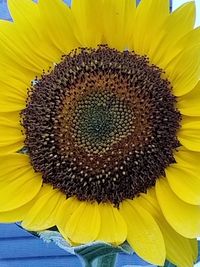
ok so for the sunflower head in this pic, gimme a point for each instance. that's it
(98, 116)
(102, 99)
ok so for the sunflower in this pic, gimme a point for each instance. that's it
(99, 123)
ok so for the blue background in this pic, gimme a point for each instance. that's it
(19, 248)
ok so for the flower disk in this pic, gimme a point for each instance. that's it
(101, 125)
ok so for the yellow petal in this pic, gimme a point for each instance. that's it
(13, 85)
(65, 211)
(10, 149)
(24, 11)
(118, 17)
(11, 102)
(18, 182)
(191, 39)
(16, 215)
(189, 134)
(185, 184)
(183, 217)
(150, 16)
(183, 71)
(14, 77)
(189, 104)
(179, 250)
(88, 21)
(176, 25)
(29, 31)
(144, 235)
(84, 224)
(10, 131)
(13, 89)
(184, 176)
(42, 214)
(194, 246)
(14, 82)
(183, 253)
(58, 24)
(113, 228)
(11, 51)
(11, 166)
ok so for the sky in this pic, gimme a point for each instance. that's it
(177, 3)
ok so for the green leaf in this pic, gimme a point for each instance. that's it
(103, 253)
(106, 261)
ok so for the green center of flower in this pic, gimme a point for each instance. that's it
(102, 125)
(99, 120)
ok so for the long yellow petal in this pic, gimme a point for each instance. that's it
(179, 250)
(18, 182)
(189, 134)
(113, 228)
(176, 25)
(16, 215)
(10, 102)
(11, 50)
(183, 217)
(183, 71)
(13, 88)
(10, 149)
(30, 32)
(194, 246)
(88, 21)
(144, 235)
(118, 17)
(12, 165)
(191, 39)
(14, 80)
(184, 176)
(185, 184)
(65, 211)
(58, 24)
(42, 214)
(10, 131)
(149, 18)
(84, 224)
(189, 104)
(12, 77)
(14, 85)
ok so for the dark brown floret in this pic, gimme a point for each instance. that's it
(101, 125)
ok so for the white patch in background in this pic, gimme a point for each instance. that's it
(177, 3)
(198, 12)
